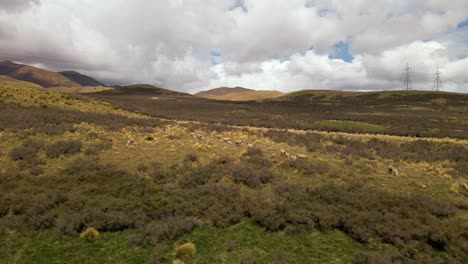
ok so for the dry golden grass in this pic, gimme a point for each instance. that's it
(78, 90)
(29, 94)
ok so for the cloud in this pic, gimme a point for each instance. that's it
(268, 44)
(365, 72)
(15, 5)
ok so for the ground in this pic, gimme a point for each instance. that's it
(148, 185)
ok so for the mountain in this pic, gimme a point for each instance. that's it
(35, 75)
(81, 78)
(238, 94)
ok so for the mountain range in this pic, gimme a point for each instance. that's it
(46, 78)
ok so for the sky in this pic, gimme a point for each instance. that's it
(286, 45)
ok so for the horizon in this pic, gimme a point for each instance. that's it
(352, 46)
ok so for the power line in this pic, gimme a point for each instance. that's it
(437, 80)
(407, 80)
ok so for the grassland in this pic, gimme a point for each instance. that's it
(148, 185)
(394, 113)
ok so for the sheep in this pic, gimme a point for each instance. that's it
(238, 142)
(392, 170)
(250, 145)
(226, 139)
(301, 156)
(283, 152)
(294, 157)
(130, 142)
(464, 186)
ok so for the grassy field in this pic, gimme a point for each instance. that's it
(148, 186)
(236, 244)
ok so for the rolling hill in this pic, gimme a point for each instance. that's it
(143, 90)
(81, 78)
(35, 75)
(238, 94)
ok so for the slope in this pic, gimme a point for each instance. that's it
(81, 78)
(35, 75)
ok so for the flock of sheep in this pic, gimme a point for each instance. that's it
(391, 168)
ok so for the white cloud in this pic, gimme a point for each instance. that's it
(366, 72)
(267, 44)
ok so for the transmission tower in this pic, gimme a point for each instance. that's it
(407, 80)
(437, 80)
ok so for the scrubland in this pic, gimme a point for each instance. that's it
(172, 191)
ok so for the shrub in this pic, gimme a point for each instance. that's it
(254, 151)
(191, 157)
(90, 234)
(63, 147)
(96, 148)
(202, 174)
(186, 252)
(149, 138)
(160, 174)
(27, 151)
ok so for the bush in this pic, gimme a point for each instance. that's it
(250, 175)
(191, 157)
(186, 252)
(63, 147)
(253, 151)
(90, 234)
(160, 174)
(27, 151)
(96, 148)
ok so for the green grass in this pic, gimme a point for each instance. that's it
(236, 243)
(230, 245)
(50, 247)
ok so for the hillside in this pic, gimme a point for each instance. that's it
(236, 194)
(35, 75)
(28, 94)
(237, 94)
(81, 79)
(413, 113)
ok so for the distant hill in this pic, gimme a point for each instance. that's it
(145, 90)
(238, 94)
(81, 78)
(333, 95)
(35, 75)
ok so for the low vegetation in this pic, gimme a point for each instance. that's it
(112, 187)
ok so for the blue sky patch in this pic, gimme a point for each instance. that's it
(341, 51)
(239, 4)
(463, 24)
(215, 57)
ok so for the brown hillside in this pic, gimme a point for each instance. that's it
(237, 94)
(35, 75)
